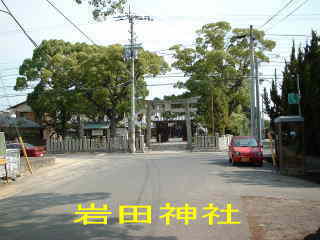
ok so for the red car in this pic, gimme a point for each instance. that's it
(245, 149)
(31, 150)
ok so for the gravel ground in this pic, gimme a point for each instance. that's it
(281, 218)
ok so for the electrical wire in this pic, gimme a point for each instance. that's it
(9, 103)
(96, 23)
(17, 22)
(277, 13)
(70, 21)
(281, 20)
(288, 35)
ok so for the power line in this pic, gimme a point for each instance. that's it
(21, 27)
(288, 35)
(160, 84)
(69, 20)
(94, 23)
(13, 96)
(277, 13)
(296, 9)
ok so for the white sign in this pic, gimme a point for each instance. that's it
(121, 132)
(97, 133)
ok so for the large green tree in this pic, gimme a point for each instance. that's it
(309, 72)
(218, 68)
(74, 79)
(305, 65)
(104, 8)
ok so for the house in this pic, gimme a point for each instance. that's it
(23, 110)
(30, 131)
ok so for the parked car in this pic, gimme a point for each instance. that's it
(32, 151)
(245, 149)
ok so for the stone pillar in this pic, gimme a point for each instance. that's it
(148, 119)
(188, 125)
(142, 143)
(217, 136)
(48, 145)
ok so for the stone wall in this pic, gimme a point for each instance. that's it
(116, 144)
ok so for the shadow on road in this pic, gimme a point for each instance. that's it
(27, 217)
(251, 175)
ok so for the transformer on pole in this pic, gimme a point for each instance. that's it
(132, 55)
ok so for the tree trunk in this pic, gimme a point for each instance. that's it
(113, 125)
(80, 127)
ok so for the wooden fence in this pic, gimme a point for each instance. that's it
(217, 143)
(204, 142)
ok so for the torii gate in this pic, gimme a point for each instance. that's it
(179, 105)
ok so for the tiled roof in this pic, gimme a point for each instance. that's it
(6, 121)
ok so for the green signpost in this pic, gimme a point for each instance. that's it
(293, 98)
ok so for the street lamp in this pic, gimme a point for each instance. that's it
(261, 114)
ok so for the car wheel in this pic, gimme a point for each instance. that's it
(233, 162)
(260, 164)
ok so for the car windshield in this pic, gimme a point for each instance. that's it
(245, 142)
(13, 146)
(28, 145)
(18, 146)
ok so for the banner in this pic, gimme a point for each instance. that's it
(2, 148)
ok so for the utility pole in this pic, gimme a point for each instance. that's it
(133, 54)
(262, 118)
(258, 116)
(133, 100)
(252, 83)
(299, 94)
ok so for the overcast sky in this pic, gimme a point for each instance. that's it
(175, 22)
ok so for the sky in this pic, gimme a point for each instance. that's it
(175, 22)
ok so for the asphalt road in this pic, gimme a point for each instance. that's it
(42, 206)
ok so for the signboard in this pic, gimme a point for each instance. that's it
(293, 98)
(2, 148)
(121, 132)
(97, 132)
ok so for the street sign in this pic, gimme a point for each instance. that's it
(3, 161)
(97, 132)
(293, 98)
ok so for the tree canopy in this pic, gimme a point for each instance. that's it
(303, 64)
(77, 78)
(217, 68)
(104, 8)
